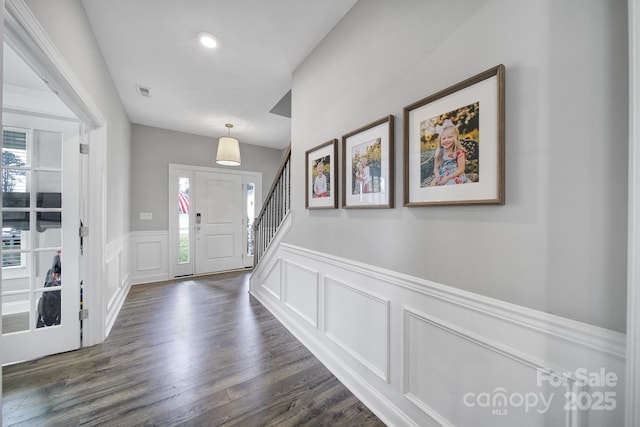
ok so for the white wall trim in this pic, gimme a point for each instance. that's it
(117, 281)
(113, 248)
(454, 328)
(116, 305)
(573, 418)
(270, 273)
(580, 333)
(632, 415)
(148, 256)
(346, 346)
(293, 279)
(370, 396)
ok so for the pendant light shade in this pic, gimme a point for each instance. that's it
(228, 149)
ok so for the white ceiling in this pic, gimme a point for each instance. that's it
(153, 43)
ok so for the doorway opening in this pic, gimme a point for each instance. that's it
(41, 199)
(211, 215)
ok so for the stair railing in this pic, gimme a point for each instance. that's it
(275, 208)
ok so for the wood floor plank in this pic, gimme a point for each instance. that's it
(198, 351)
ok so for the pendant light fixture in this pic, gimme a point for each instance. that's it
(228, 149)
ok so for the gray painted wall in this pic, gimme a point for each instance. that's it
(153, 149)
(559, 243)
(66, 23)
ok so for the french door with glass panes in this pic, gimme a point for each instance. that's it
(40, 239)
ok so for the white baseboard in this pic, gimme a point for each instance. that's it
(115, 305)
(422, 353)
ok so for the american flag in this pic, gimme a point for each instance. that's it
(183, 202)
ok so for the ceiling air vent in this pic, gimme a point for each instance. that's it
(144, 91)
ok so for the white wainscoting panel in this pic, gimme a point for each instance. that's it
(420, 353)
(358, 321)
(301, 291)
(445, 367)
(118, 279)
(149, 256)
(273, 279)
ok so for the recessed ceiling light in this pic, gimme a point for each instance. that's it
(207, 40)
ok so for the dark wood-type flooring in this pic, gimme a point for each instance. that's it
(193, 352)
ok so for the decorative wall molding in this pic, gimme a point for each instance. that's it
(149, 256)
(493, 358)
(358, 321)
(139, 257)
(117, 280)
(300, 291)
(273, 283)
(585, 335)
(439, 345)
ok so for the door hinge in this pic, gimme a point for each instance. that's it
(84, 313)
(84, 148)
(84, 231)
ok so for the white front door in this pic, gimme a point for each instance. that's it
(40, 241)
(218, 219)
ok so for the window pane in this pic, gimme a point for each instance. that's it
(47, 149)
(251, 214)
(183, 220)
(48, 308)
(49, 200)
(14, 148)
(49, 227)
(15, 313)
(11, 239)
(48, 269)
(15, 188)
(15, 230)
(47, 182)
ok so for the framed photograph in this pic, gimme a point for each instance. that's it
(367, 167)
(321, 176)
(454, 144)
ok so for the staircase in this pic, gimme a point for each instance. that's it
(276, 206)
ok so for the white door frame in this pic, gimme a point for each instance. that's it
(28, 39)
(174, 171)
